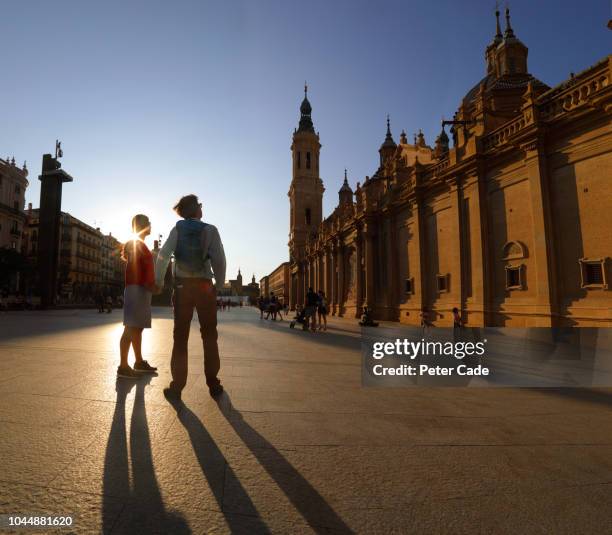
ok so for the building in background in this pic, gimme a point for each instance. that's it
(511, 225)
(277, 282)
(236, 288)
(264, 286)
(13, 184)
(112, 267)
(89, 261)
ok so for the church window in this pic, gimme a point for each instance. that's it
(308, 160)
(514, 250)
(442, 283)
(308, 216)
(409, 288)
(593, 273)
(299, 160)
(514, 277)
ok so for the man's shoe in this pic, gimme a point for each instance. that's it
(127, 373)
(171, 394)
(144, 367)
(216, 390)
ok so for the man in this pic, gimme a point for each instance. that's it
(312, 300)
(199, 256)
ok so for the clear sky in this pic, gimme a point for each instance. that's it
(153, 100)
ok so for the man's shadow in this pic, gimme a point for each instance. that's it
(305, 498)
(209, 456)
(143, 510)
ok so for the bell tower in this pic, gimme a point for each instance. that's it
(306, 190)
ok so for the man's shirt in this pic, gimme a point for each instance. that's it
(212, 249)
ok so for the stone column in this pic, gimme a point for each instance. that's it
(480, 307)
(340, 290)
(321, 282)
(358, 274)
(456, 283)
(299, 298)
(369, 267)
(543, 239)
(291, 296)
(334, 283)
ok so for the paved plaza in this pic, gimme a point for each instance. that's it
(295, 444)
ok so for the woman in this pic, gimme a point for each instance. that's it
(322, 311)
(139, 287)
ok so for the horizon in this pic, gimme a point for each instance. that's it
(204, 98)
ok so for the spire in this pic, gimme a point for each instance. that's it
(421, 139)
(345, 184)
(498, 33)
(403, 138)
(388, 137)
(442, 145)
(305, 113)
(345, 194)
(509, 32)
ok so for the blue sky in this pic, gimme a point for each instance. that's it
(153, 99)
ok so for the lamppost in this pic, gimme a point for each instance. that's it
(52, 177)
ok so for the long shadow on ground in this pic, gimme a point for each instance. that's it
(207, 452)
(144, 510)
(304, 497)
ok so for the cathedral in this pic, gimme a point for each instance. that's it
(510, 223)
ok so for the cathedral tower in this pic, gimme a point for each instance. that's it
(306, 190)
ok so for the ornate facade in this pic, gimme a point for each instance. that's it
(511, 224)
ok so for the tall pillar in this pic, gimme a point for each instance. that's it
(341, 268)
(358, 274)
(334, 280)
(369, 267)
(321, 270)
(299, 297)
(52, 178)
(456, 244)
(292, 277)
(392, 268)
(543, 239)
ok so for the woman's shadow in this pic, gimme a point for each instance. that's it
(143, 510)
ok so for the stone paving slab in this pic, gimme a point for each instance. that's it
(295, 445)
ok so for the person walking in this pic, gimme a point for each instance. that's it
(426, 323)
(260, 305)
(139, 287)
(322, 311)
(199, 256)
(312, 299)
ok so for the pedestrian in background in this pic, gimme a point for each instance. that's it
(322, 310)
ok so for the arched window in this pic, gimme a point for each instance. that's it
(299, 160)
(307, 216)
(514, 250)
(308, 160)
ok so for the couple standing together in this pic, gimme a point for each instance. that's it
(199, 256)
